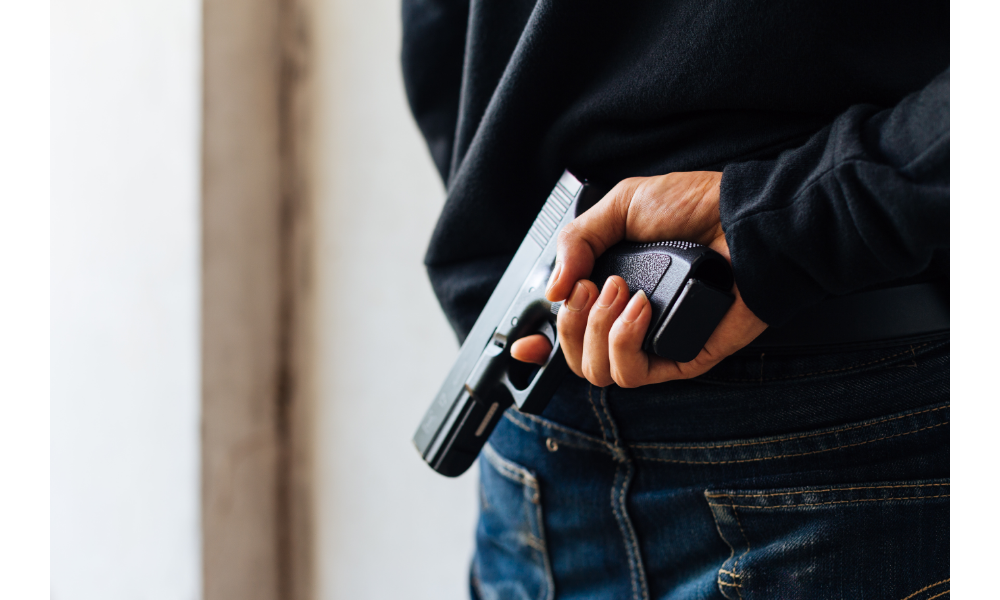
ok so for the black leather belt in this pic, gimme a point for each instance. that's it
(866, 319)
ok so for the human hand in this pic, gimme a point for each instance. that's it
(601, 337)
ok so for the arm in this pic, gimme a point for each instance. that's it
(865, 201)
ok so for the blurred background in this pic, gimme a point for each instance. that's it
(243, 335)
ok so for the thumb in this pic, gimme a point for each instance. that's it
(587, 237)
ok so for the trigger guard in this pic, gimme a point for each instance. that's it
(520, 393)
(549, 332)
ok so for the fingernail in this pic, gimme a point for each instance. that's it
(634, 308)
(555, 275)
(578, 299)
(608, 294)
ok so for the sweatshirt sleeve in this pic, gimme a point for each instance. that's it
(864, 202)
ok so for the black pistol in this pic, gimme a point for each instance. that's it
(688, 286)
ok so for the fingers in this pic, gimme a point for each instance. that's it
(628, 364)
(595, 364)
(533, 349)
(587, 237)
(571, 323)
(602, 340)
(631, 367)
(675, 206)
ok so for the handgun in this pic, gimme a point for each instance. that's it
(688, 286)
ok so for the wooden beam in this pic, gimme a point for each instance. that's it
(257, 302)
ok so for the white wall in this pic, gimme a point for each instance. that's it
(126, 99)
(389, 527)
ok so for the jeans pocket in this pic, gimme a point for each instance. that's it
(881, 541)
(511, 561)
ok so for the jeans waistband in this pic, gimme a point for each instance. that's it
(763, 394)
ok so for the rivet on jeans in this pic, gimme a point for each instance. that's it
(551, 444)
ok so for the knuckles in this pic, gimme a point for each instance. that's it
(594, 376)
(625, 379)
(699, 366)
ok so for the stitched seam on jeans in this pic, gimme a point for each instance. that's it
(590, 398)
(534, 542)
(788, 439)
(552, 425)
(618, 449)
(516, 422)
(621, 528)
(841, 370)
(508, 469)
(866, 487)
(732, 551)
(549, 581)
(925, 588)
(939, 595)
(640, 572)
(637, 577)
(831, 502)
(631, 540)
(739, 588)
(745, 460)
(611, 422)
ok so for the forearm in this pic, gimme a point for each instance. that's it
(864, 202)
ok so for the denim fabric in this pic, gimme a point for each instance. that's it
(774, 476)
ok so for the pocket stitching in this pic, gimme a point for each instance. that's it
(604, 446)
(519, 474)
(736, 577)
(795, 506)
(508, 469)
(929, 587)
(863, 487)
(736, 516)
(516, 422)
(550, 583)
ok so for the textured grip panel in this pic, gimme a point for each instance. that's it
(676, 245)
(640, 271)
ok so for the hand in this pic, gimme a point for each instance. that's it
(601, 337)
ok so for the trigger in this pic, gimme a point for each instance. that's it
(548, 331)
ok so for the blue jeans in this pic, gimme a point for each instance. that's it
(772, 477)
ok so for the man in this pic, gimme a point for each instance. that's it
(806, 142)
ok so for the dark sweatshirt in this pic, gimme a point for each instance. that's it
(828, 119)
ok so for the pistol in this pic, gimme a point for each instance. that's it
(688, 286)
